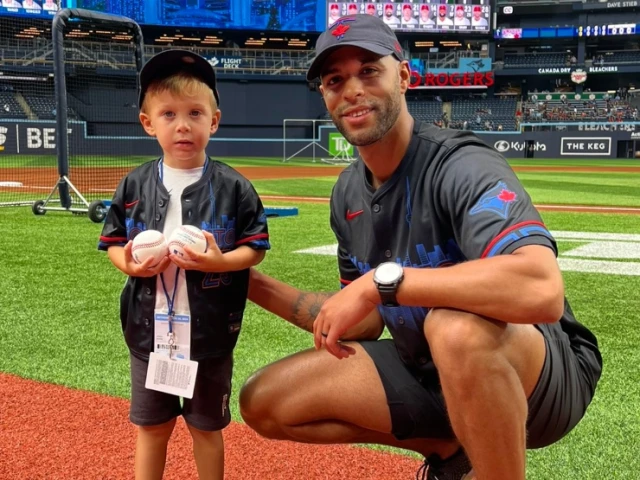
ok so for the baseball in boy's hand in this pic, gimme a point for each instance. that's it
(187, 236)
(150, 243)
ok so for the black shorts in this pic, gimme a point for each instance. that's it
(556, 405)
(208, 410)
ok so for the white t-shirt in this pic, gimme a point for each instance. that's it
(175, 180)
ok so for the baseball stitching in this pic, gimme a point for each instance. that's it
(146, 245)
(192, 234)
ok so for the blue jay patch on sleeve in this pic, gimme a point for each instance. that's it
(498, 200)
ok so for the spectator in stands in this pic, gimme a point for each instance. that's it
(50, 5)
(31, 5)
(11, 4)
(6, 108)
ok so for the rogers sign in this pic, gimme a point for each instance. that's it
(453, 80)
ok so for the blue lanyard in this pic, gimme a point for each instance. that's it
(170, 301)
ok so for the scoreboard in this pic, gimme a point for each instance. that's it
(607, 30)
(425, 16)
(29, 8)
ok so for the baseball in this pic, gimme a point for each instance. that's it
(187, 235)
(150, 243)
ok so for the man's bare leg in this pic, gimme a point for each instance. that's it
(487, 370)
(312, 397)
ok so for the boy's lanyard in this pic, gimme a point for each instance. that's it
(171, 300)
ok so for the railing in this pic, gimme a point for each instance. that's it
(118, 56)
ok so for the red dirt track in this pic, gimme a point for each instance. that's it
(55, 433)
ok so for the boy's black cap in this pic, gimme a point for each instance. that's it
(170, 62)
(365, 31)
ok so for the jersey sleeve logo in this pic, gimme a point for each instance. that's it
(351, 215)
(498, 200)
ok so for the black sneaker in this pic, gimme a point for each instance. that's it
(456, 467)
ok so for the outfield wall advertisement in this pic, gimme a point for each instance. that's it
(39, 138)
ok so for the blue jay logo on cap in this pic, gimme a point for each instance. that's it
(340, 28)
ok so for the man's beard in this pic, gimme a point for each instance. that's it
(387, 111)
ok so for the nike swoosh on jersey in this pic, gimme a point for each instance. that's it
(352, 215)
(130, 204)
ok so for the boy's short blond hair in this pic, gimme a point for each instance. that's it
(179, 84)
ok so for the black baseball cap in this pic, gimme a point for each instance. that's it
(365, 31)
(170, 62)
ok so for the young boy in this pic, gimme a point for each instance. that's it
(206, 293)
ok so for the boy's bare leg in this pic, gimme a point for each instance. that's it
(151, 450)
(208, 451)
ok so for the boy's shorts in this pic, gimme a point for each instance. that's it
(208, 410)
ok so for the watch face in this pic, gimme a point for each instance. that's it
(388, 273)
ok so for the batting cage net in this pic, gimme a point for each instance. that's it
(81, 133)
(28, 165)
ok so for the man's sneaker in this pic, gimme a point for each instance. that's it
(456, 467)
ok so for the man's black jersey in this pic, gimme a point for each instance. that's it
(451, 199)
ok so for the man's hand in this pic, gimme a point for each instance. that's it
(211, 261)
(341, 312)
(144, 269)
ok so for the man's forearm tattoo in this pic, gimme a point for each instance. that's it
(306, 309)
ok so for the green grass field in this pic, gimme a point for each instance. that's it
(59, 307)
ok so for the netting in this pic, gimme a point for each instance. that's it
(104, 137)
(28, 166)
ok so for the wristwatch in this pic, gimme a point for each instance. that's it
(387, 277)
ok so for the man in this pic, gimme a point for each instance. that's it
(11, 4)
(50, 5)
(389, 17)
(486, 357)
(407, 15)
(352, 9)
(443, 18)
(460, 19)
(334, 13)
(371, 9)
(31, 5)
(477, 20)
(425, 16)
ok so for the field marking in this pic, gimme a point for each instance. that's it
(616, 246)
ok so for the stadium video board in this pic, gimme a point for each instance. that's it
(433, 16)
(29, 8)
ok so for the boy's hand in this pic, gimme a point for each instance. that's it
(144, 269)
(211, 261)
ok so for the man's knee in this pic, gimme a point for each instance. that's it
(454, 334)
(468, 347)
(256, 405)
